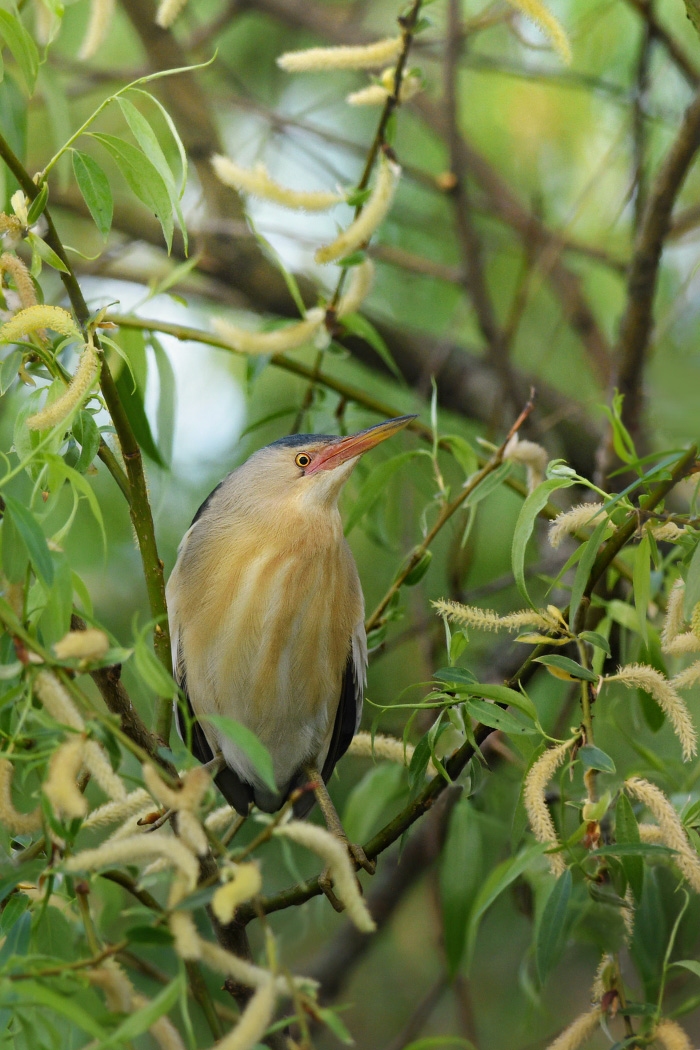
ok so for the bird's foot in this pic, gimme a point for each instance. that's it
(360, 858)
(326, 884)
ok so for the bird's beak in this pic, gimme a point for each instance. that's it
(356, 444)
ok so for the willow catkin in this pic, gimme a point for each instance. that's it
(390, 748)
(578, 1032)
(247, 973)
(168, 11)
(535, 801)
(359, 287)
(258, 183)
(61, 787)
(536, 11)
(373, 213)
(321, 59)
(246, 882)
(184, 931)
(16, 822)
(135, 848)
(91, 644)
(671, 1036)
(254, 1020)
(570, 521)
(673, 832)
(531, 455)
(33, 318)
(101, 15)
(56, 699)
(111, 812)
(277, 341)
(641, 676)
(74, 395)
(19, 273)
(96, 761)
(488, 620)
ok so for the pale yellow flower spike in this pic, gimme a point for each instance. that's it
(570, 521)
(578, 1032)
(535, 803)
(100, 767)
(532, 456)
(76, 392)
(168, 11)
(671, 1036)
(82, 645)
(377, 94)
(122, 998)
(184, 931)
(319, 59)
(279, 340)
(254, 1020)
(550, 26)
(244, 972)
(57, 701)
(488, 620)
(674, 836)
(19, 273)
(335, 855)
(245, 883)
(111, 812)
(674, 640)
(16, 822)
(361, 229)
(60, 786)
(389, 748)
(134, 848)
(641, 676)
(359, 287)
(33, 318)
(101, 14)
(687, 678)
(257, 182)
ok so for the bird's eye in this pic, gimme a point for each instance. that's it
(303, 459)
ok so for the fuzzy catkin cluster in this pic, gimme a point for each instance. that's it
(535, 801)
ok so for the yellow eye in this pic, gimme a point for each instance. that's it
(303, 459)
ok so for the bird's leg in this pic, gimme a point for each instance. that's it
(334, 825)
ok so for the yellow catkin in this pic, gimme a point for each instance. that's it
(16, 822)
(488, 620)
(359, 287)
(571, 521)
(674, 640)
(257, 182)
(532, 456)
(361, 229)
(168, 11)
(219, 819)
(135, 848)
(600, 985)
(184, 931)
(247, 973)
(668, 532)
(674, 836)
(74, 395)
(60, 786)
(377, 94)
(118, 989)
(192, 833)
(56, 700)
(82, 645)
(254, 1020)
(31, 319)
(10, 228)
(578, 1032)
(96, 761)
(245, 883)
(535, 802)
(19, 273)
(189, 795)
(335, 854)
(687, 678)
(101, 14)
(671, 1036)
(550, 26)
(319, 59)
(651, 833)
(111, 812)
(641, 676)
(389, 748)
(163, 1031)
(277, 341)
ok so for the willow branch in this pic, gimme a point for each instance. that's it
(139, 505)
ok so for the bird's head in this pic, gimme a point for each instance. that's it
(310, 469)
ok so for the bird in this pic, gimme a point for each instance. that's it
(267, 618)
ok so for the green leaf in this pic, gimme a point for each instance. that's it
(132, 400)
(165, 416)
(460, 877)
(357, 324)
(143, 179)
(249, 743)
(94, 186)
(525, 524)
(149, 667)
(626, 832)
(332, 1021)
(632, 849)
(552, 930)
(491, 715)
(149, 935)
(651, 654)
(87, 435)
(688, 964)
(641, 582)
(374, 486)
(15, 556)
(568, 667)
(598, 640)
(458, 676)
(22, 46)
(176, 137)
(498, 880)
(32, 994)
(9, 369)
(46, 253)
(583, 569)
(488, 484)
(379, 789)
(593, 758)
(33, 538)
(36, 208)
(418, 571)
(692, 585)
(143, 1019)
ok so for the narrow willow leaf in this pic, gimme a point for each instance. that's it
(552, 929)
(165, 416)
(380, 789)
(583, 570)
(626, 832)
(495, 717)
(143, 179)
(87, 435)
(94, 186)
(501, 694)
(132, 401)
(31, 994)
(593, 758)
(143, 1019)
(596, 639)
(692, 585)
(374, 486)
(641, 582)
(22, 46)
(568, 667)
(46, 253)
(33, 537)
(498, 880)
(176, 137)
(357, 324)
(525, 524)
(249, 743)
(692, 965)
(460, 876)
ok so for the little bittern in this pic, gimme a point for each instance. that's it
(266, 613)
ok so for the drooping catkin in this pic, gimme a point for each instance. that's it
(254, 1020)
(74, 395)
(32, 318)
(96, 761)
(668, 532)
(219, 819)
(570, 521)
(258, 183)
(19, 273)
(91, 644)
(245, 882)
(16, 822)
(361, 229)
(389, 748)
(687, 678)
(277, 341)
(111, 812)
(334, 853)
(671, 1036)
(532, 456)
(359, 287)
(101, 14)
(674, 836)
(184, 931)
(247, 973)
(60, 786)
(641, 676)
(600, 985)
(57, 701)
(117, 987)
(578, 1032)
(377, 94)
(536, 11)
(188, 796)
(135, 848)
(320, 59)
(674, 640)
(168, 11)
(488, 620)
(535, 802)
